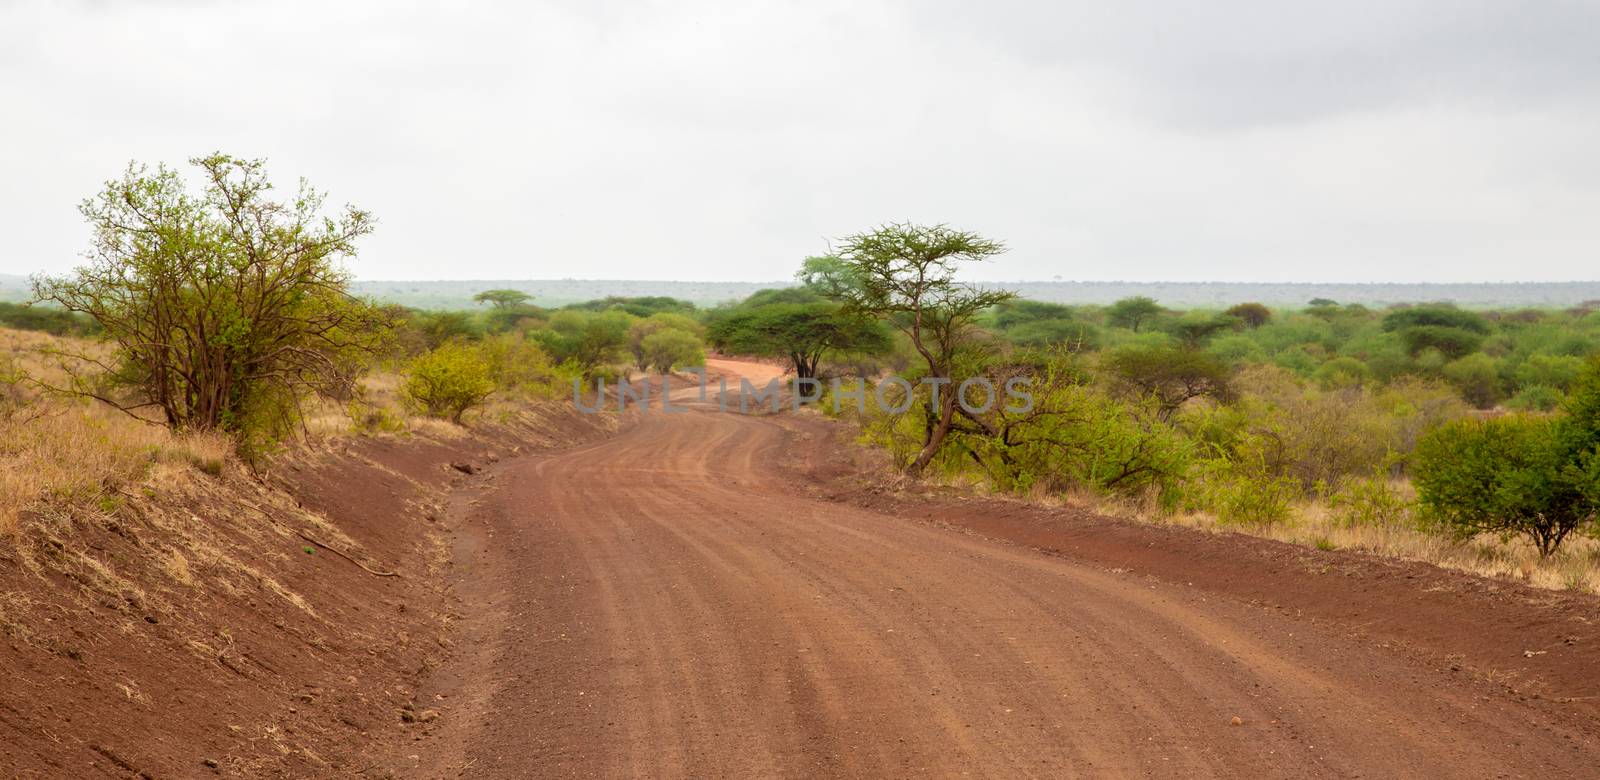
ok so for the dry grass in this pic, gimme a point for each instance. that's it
(60, 452)
(55, 450)
(1318, 524)
(1315, 524)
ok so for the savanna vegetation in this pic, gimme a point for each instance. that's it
(212, 321)
(1465, 437)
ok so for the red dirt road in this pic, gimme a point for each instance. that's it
(668, 603)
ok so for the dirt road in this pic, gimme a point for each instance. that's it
(666, 603)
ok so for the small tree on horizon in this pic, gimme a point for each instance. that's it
(502, 299)
(1133, 313)
(1253, 315)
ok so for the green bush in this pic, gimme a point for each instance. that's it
(1169, 376)
(55, 321)
(1236, 348)
(1077, 437)
(1451, 342)
(1477, 376)
(591, 340)
(1536, 398)
(1072, 334)
(1241, 493)
(1252, 315)
(1308, 435)
(1369, 501)
(448, 381)
(1435, 316)
(1554, 371)
(1510, 475)
(669, 349)
(1342, 372)
(519, 366)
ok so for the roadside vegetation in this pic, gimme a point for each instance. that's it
(211, 326)
(1466, 438)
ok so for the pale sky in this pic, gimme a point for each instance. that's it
(1238, 140)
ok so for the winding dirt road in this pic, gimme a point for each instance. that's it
(667, 603)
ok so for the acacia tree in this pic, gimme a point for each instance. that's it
(225, 308)
(827, 276)
(1171, 377)
(502, 299)
(1253, 315)
(1131, 313)
(905, 274)
(801, 332)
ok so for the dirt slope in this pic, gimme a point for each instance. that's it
(680, 602)
(208, 625)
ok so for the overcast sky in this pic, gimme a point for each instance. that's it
(1242, 140)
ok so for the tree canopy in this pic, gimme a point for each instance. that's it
(502, 299)
(905, 274)
(1133, 313)
(803, 333)
(225, 307)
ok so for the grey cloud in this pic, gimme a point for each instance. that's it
(1232, 63)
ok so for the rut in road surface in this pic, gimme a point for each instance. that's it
(666, 604)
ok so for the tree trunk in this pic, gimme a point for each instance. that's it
(936, 435)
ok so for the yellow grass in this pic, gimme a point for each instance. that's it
(55, 450)
(61, 450)
(1576, 566)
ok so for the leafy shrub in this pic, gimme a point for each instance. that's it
(1073, 334)
(1536, 398)
(1021, 311)
(1557, 372)
(519, 366)
(655, 323)
(1369, 501)
(1236, 348)
(1171, 377)
(668, 349)
(1253, 315)
(1477, 376)
(1414, 407)
(589, 339)
(436, 328)
(1241, 493)
(1303, 359)
(1508, 475)
(1435, 316)
(1342, 372)
(1193, 330)
(224, 309)
(1322, 436)
(1451, 342)
(1076, 437)
(55, 321)
(448, 381)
